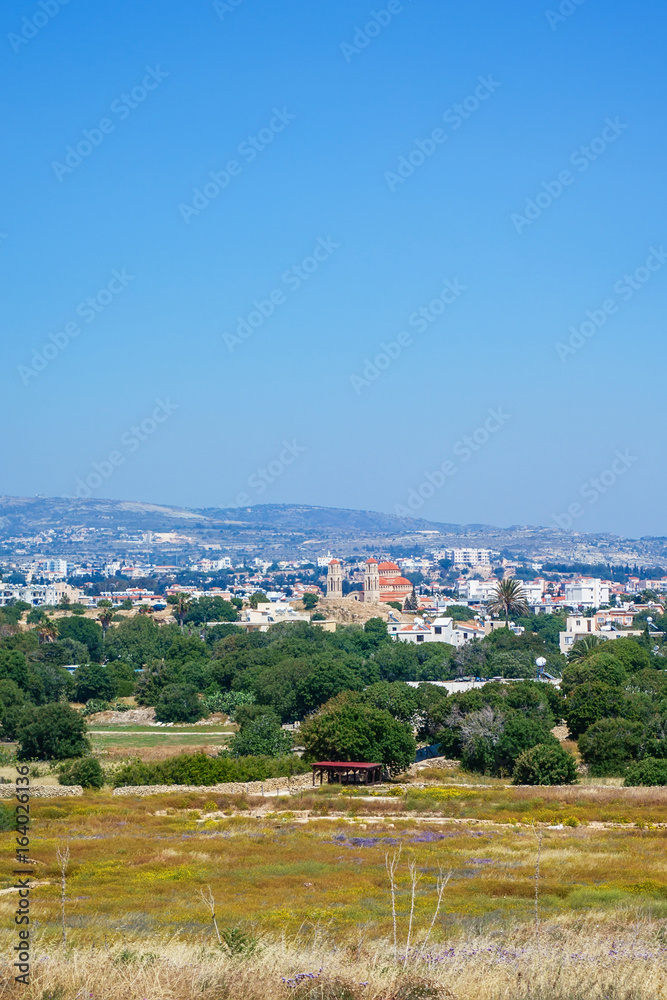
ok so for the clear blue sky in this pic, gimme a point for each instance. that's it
(333, 112)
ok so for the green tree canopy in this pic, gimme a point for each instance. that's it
(590, 702)
(94, 681)
(210, 609)
(51, 732)
(179, 703)
(358, 732)
(261, 736)
(13, 667)
(83, 630)
(609, 745)
(395, 697)
(138, 640)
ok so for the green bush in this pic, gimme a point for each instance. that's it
(94, 681)
(521, 733)
(178, 703)
(86, 772)
(591, 701)
(51, 732)
(93, 706)
(609, 745)
(545, 764)
(200, 769)
(261, 737)
(227, 701)
(649, 771)
(123, 677)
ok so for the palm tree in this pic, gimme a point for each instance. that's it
(509, 599)
(105, 618)
(582, 648)
(182, 604)
(47, 630)
(145, 609)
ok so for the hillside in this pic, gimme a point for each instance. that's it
(98, 526)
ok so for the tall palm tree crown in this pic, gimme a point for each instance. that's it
(181, 604)
(47, 630)
(105, 618)
(508, 599)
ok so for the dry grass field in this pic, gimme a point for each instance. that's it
(300, 885)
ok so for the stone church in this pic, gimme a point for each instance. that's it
(382, 582)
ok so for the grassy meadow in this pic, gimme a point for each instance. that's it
(300, 884)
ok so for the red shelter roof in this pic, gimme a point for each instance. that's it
(343, 763)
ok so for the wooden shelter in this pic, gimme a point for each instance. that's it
(347, 772)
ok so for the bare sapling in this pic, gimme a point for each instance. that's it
(62, 854)
(210, 904)
(538, 834)
(414, 880)
(391, 872)
(440, 887)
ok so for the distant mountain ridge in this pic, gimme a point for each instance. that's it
(280, 529)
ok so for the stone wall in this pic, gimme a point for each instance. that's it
(297, 782)
(42, 791)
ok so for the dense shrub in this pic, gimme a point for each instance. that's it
(590, 702)
(94, 681)
(123, 677)
(649, 771)
(86, 771)
(631, 654)
(51, 732)
(609, 745)
(95, 705)
(598, 666)
(199, 769)
(179, 703)
(12, 702)
(654, 740)
(545, 764)
(261, 737)
(227, 701)
(521, 732)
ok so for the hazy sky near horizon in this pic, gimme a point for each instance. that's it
(404, 256)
